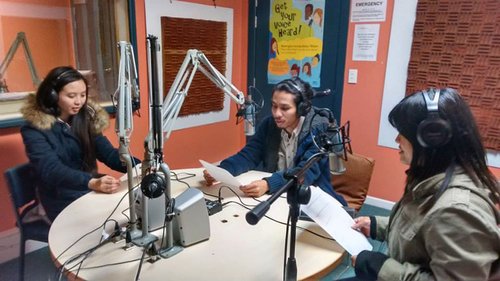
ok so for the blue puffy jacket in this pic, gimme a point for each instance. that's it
(55, 154)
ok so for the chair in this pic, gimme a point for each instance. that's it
(354, 183)
(22, 192)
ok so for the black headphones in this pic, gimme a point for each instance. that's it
(53, 96)
(303, 102)
(433, 131)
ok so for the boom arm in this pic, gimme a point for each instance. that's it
(126, 92)
(194, 60)
(20, 39)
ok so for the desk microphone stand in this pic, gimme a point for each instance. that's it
(127, 92)
(154, 150)
(297, 194)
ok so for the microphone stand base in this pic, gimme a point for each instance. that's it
(170, 252)
(144, 240)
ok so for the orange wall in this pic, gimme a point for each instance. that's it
(211, 142)
(361, 104)
(48, 41)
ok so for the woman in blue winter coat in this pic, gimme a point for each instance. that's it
(63, 139)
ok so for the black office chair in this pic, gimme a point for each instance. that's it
(22, 192)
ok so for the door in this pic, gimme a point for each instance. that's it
(333, 61)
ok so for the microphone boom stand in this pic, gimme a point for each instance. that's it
(154, 148)
(126, 92)
(296, 195)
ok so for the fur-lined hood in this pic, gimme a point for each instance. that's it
(43, 121)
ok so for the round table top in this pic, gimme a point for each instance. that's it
(234, 250)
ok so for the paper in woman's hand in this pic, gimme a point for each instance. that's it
(328, 213)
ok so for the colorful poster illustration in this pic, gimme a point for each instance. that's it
(296, 40)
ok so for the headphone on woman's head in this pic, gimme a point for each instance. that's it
(53, 96)
(303, 101)
(433, 131)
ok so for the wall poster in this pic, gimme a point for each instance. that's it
(296, 40)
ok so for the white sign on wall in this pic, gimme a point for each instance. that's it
(365, 42)
(368, 10)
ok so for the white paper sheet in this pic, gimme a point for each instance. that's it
(251, 176)
(221, 175)
(328, 213)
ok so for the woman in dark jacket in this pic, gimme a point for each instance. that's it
(63, 139)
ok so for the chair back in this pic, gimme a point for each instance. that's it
(22, 189)
(353, 185)
(21, 183)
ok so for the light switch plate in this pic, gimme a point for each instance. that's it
(353, 76)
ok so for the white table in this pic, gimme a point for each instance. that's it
(234, 251)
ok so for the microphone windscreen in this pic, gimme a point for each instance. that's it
(250, 120)
(336, 164)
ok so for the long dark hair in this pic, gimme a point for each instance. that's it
(47, 97)
(465, 148)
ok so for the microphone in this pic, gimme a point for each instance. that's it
(249, 116)
(336, 163)
(254, 215)
(335, 146)
(333, 141)
(325, 92)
